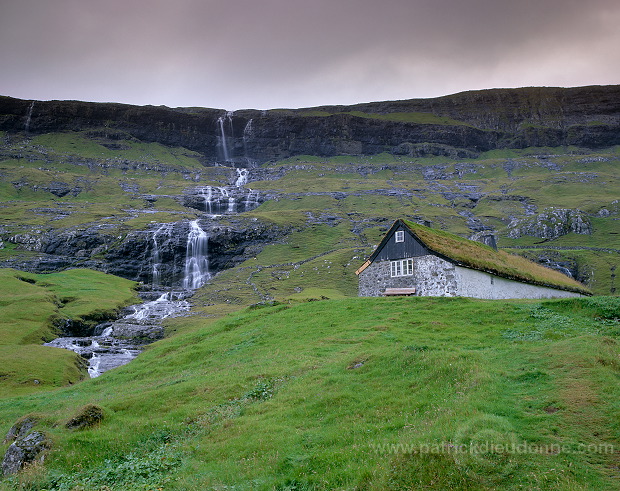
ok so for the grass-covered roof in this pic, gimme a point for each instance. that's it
(479, 256)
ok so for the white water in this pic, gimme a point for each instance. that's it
(251, 200)
(242, 177)
(207, 193)
(196, 258)
(222, 122)
(232, 204)
(165, 229)
(29, 117)
(106, 351)
(164, 306)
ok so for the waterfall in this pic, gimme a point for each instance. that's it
(242, 177)
(29, 117)
(207, 193)
(232, 204)
(196, 258)
(222, 140)
(166, 230)
(248, 132)
(251, 201)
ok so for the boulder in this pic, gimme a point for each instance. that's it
(27, 446)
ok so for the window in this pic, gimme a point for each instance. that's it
(403, 267)
(400, 236)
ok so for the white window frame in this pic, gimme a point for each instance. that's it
(402, 267)
(399, 236)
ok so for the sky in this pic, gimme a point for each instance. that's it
(264, 54)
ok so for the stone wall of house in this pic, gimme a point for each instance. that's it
(477, 284)
(435, 277)
(432, 276)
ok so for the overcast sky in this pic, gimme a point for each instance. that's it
(262, 54)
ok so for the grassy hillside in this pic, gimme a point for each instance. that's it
(302, 386)
(358, 393)
(33, 306)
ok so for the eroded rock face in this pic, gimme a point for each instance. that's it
(552, 223)
(457, 126)
(155, 256)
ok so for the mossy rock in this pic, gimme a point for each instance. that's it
(88, 416)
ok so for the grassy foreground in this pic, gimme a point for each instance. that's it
(33, 306)
(357, 393)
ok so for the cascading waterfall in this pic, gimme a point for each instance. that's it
(196, 258)
(207, 193)
(242, 177)
(165, 229)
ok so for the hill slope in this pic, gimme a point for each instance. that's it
(354, 393)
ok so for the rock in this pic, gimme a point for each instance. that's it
(486, 237)
(20, 429)
(88, 416)
(27, 446)
(14, 459)
(131, 256)
(61, 189)
(552, 223)
(141, 333)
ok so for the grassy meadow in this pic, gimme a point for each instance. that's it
(352, 393)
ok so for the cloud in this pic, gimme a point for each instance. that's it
(282, 53)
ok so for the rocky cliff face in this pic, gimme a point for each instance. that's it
(459, 125)
(551, 224)
(156, 256)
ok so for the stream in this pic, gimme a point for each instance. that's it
(118, 342)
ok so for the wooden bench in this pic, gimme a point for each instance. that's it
(399, 291)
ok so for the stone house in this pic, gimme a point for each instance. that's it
(416, 260)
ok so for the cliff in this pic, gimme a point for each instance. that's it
(459, 125)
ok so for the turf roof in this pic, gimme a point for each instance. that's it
(475, 255)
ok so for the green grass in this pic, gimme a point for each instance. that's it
(83, 145)
(33, 306)
(352, 393)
